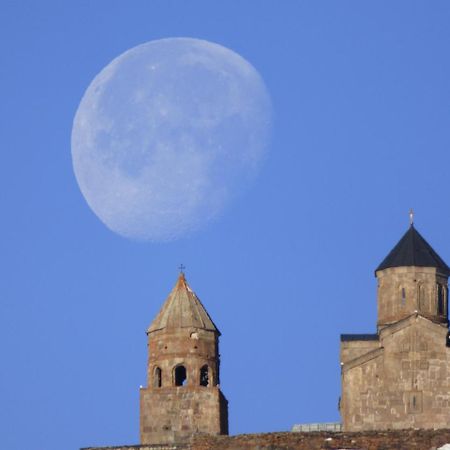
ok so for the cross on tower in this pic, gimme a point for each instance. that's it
(181, 267)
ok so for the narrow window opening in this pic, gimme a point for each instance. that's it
(414, 402)
(157, 381)
(204, 376)
(180, 376)
(422, 305)
(403, 296)
(440, 300)
(444, 300)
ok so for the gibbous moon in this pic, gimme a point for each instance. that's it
(167, 134)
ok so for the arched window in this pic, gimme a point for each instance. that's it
(157, 378)
(204, 376)
(180, 376)
(440, 299)
(422, 298)
(403, 295)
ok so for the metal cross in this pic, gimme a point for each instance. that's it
(182, 267)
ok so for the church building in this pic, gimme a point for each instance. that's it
(396, 379)
(399, 377)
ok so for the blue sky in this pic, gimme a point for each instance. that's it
(361, 104)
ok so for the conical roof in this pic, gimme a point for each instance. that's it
(182, 309)
(413, 250)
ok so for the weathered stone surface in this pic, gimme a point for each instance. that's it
(388, 440)
(400, 379)
(173, 415)
(143, 447)
(405, 383)
(403, 291)
(369, 440)
(183, 395)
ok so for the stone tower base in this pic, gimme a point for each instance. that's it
(185, 409)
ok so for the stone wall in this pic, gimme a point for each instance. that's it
(369, 440)
(404, 384)
(143, 447)
(351, 350)
(393, 440)
(173, 414)
(405, 290)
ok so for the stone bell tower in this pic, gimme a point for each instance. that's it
(183, 395)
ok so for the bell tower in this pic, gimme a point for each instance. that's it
(182, 396)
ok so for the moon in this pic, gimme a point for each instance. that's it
(167, 134)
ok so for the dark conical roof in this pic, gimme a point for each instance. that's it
(413, 250)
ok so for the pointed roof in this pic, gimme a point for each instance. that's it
(413, 250)
(182, 309)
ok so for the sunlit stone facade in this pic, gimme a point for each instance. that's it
(182, 397)
(400, 377)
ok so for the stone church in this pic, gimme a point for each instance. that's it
(395, 379)
(400, 377)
